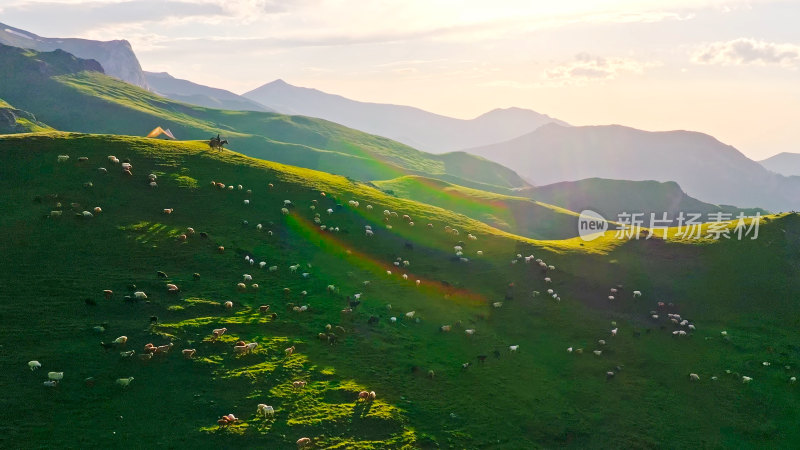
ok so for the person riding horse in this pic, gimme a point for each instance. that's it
(217, 142)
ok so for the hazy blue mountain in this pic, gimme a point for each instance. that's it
(412, 126)
(706, 168)
(787, 164)
(196, 94)
(116, 57)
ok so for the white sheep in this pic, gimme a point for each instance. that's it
(284, 211)
(273, 268)
(55, 376)
(63, 158)
(247, 277)
(637, 294)
(34, 365)
(266, 410)
(124, 382)
(139, 295)
(262, 264)
(513, 348)
(246, 202)
(410, 314)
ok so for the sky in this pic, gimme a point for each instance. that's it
(729, 68)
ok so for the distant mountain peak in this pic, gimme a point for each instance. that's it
(412, 126)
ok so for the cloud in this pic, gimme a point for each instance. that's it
(743, 51)
(587, 68)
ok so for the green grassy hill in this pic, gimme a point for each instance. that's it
(14, 120)
(517, 215)
(74, 95)
(55, 269)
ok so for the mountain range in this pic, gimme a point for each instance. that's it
(787, 164)
(186, 91)
(704, 167)
(417, 128)
(116, 57)
(73, 94)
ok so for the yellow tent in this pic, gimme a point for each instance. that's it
(157, 131)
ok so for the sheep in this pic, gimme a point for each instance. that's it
(188, 353)
(445, 328)
(120, 340)
(472, 237)
(172, 288)
(611, 298)
(497, 304)
(410, 314)
(55, 376)
(241, 349)
(55, 213)
(289, 351)
(598, 352)
(548, 280)
(405, 276)
(299, 384)
(266, 410)
(107, 293)
(229, 304)
(792, 379)
(746, 379)
(303, 442)
(102, 170)
(637, 294)
(87, 214)
(247, 202)
(34, 365)
(513, 348)
(469, 331)
(63, 158)
(363, 395)
(128, 354)
(694, 377)
(614, 331)
(218, 332)
(51, 383)
(124, 382)
(247, 277)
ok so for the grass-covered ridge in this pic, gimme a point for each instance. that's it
(540, 396)
(71, 94)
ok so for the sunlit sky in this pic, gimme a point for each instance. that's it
(727, 68)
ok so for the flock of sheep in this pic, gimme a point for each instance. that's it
(247, 283)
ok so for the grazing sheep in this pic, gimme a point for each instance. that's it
(513, 348)
(694, 377)
(614, 331)
(746, 379)
(172, 288)
(34, 365)
(289, 351)
(124, 382)
(497, 304)
(51, 383)
(107, 293)
(469, 331)
(598, 352)
(189, 353)
(299, 384)
(611, 297)
(284, 211)
(637, 294)
(247, 277)
(410, 314)
(102, 170)
(217, 333)
(548, 280)
(247, 202)
(303, 442)
(229, 304)
(266, 410)
(120, 340)
(128, 354)
(55, 376)
(431, 374)
(63, 158)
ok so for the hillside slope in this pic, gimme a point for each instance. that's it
(786, 164)
(412, 126)
(57, 266)
(185, 91)
(704, 167)
(116, 57)
(14, 120)
(611, 198)
(72, 94)
(517, 215)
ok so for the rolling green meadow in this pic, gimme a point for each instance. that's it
(56, 267)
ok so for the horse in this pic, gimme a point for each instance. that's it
(217, 143)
